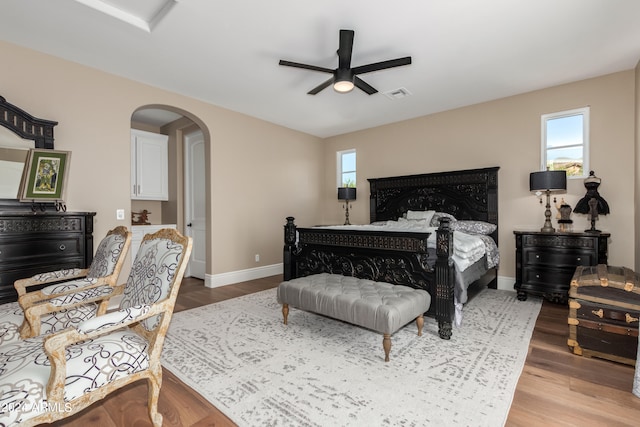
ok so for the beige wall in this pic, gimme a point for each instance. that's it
(260, 172)
(506, 133)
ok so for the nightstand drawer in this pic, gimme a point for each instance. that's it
(555, 258)
(547, 277)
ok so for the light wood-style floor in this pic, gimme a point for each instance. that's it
(556, 388)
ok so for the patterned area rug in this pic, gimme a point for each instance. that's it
(317, 371)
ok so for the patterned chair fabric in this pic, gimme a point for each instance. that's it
(104, 270)
(47, 378)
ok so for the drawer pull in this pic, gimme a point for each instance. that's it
(62, 247)
(578, 259)
(537, 276)
(537, 256)
(629, 318)
(598, 313)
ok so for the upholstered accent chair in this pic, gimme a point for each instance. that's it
(56, 306)
(51, 377)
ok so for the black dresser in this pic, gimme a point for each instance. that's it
(32, 243)
(545, 262)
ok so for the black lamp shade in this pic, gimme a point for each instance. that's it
(346, 193)
(548, 180)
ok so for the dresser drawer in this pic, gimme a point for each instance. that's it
(560, 241)
(37, 242)
(25, 251)
(551, 257)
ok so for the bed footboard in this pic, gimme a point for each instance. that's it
(400, 258)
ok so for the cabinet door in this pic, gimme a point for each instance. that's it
(149, 162)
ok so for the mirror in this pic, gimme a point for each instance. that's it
(13, 154)
(19, 131)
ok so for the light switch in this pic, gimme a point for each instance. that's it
(119, 214)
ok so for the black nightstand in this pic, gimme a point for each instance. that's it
(545, 262)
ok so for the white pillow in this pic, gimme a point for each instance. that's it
(426, 215)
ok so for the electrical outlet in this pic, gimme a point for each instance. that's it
(257, 257)
(120, 214)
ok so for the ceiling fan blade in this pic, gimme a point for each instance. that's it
(320, 87)
(361, 84)
(382, 65)
(305, 66)
(345, 49)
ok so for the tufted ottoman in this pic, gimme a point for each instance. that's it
(378, 306)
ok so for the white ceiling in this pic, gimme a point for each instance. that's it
(226, 52)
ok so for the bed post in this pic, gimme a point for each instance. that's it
(445, 279)
(289, 248)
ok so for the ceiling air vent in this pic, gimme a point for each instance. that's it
(397, 93)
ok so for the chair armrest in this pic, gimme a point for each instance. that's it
(21, 285)
(59, 289)
(114, 319)
(34, 312)
(83, 296)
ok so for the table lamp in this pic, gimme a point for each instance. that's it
(347, 194)
(548, 182)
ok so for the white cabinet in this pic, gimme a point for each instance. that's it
(149, 166)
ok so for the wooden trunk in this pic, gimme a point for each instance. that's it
(604, 308)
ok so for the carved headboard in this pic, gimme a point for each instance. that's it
(465, 194)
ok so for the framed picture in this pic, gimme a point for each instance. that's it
(44, 177)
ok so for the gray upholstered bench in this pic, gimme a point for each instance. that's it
(378, 306)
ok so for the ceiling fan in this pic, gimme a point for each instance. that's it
(344, 77)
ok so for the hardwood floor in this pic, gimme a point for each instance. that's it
(556, 388)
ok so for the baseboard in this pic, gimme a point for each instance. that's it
(506, 283)
(222, 279)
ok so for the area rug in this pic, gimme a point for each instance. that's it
(316, 371)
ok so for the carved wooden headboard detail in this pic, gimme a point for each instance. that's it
(466, 194)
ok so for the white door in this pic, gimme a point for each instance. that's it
(195, 216)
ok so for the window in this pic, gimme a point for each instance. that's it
(565, 142)
(347, 168)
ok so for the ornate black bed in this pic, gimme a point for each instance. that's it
(399, 257)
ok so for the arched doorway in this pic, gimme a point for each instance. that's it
(177, 124)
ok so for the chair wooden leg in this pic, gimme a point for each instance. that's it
(25, 330)
(386, 344)
(154, 383)
(285, 312)
(420, 324)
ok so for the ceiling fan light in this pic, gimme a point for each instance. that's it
(343, 86)
(343, 80)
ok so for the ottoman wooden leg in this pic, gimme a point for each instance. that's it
(420, 324)
(386, 344)
(285, 312)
